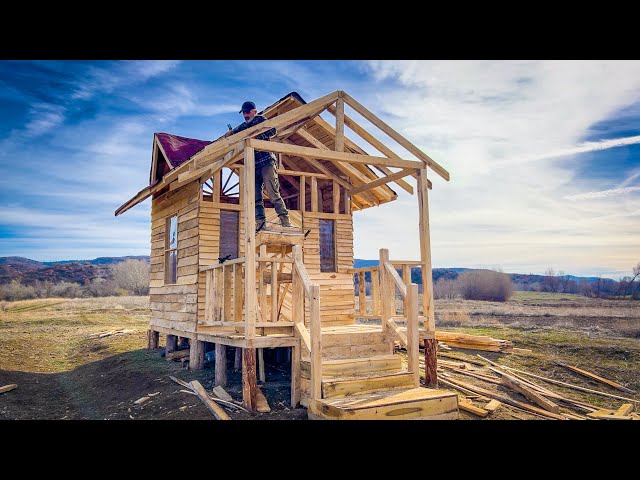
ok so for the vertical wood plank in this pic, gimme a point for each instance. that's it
(430, 362)
(413, 339)
(303, 193)
(249, 386)
(237, 361)
(406, 278)
(347, 202)
(262, 287)
(216, 186)
(217, 294)
(316, 343)
(221, 365)
(314, 194)
(274, 292)
(250, 249)
(297, 290)
(362, 296)
(384, 289)
(208, 296)
(425, 250)
(340, 125)
(375, 291)
(237, 292)
(295, 376)
(336, 197)
(171, 345)
(227, 277)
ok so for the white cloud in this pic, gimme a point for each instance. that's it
(603, 193)
(503, 130)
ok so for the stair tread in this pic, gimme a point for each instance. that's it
(346, 361)
(369, 376)
(378, 399)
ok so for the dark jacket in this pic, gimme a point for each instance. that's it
(261, 157)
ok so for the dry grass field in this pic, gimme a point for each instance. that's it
(64, 370)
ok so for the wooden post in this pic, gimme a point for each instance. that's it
(217, 299)
(316, 343)
(413, 337)
(384, 289)
(347, 202)
(249, 386)
(153, 338)
(221, 365)
(362, 294)
(303, 198)
(425, 251)
(340, 125)
(261, 374)
(216, 186)
(336, 197)
(297, 293)
(375, 291)
(262, 286)
(430, 362)
(171, 346)
(237, 361)
(295, 376)
(250, 250)
(196, 355)
(314, 194)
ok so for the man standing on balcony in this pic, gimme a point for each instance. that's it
(266, 174)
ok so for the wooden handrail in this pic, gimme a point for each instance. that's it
(304, 276)
(220, 265)
(363, 269)
(396, 279)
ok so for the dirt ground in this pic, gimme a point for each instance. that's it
(65, 371)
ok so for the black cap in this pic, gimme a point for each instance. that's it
(247, 107)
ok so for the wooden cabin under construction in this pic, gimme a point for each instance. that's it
(214, 279)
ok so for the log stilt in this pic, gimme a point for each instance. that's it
(261, 373)
(237, 363)
(221, 365)
(249, 386)
(196, 355)
(172, 344)
(430, 362)
(153, 339)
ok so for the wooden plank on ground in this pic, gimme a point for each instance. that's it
(467, 406)
(213, 407)
(262, 405)
(493, 405)
(598, 378)
(8, 388)
(625, 409)
(515, 384)
(221, 393)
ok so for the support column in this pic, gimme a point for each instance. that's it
(430, 362)
(249, 387)
(237, 361)
(250, 244)
(153, 339)
(196, 355)
(261, 374)
(172, 344)
(221, 365)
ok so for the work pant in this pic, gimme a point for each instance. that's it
(266, 175)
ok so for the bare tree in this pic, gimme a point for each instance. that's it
(132, 275)
(636, 274)
(485, 285)
(445, 288)
(99, 287)
(550, 282)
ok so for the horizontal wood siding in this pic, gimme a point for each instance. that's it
(174, 306)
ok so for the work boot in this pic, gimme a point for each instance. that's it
(261, 223)
(284, 221)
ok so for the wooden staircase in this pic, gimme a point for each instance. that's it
(362, 381)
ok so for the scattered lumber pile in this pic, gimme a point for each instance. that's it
(177, 355)
(474, 342)
(536, 400)
(220, 396)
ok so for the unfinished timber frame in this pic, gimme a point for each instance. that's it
(215, 280)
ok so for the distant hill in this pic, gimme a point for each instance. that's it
(521, 281)
(28, 271)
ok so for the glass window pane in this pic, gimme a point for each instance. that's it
(327, 246)
(171, 267)
(173, 232)
(229, 233)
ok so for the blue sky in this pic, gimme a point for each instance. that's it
(544, 156)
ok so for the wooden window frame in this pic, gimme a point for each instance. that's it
(168, 250)
(334, 240)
